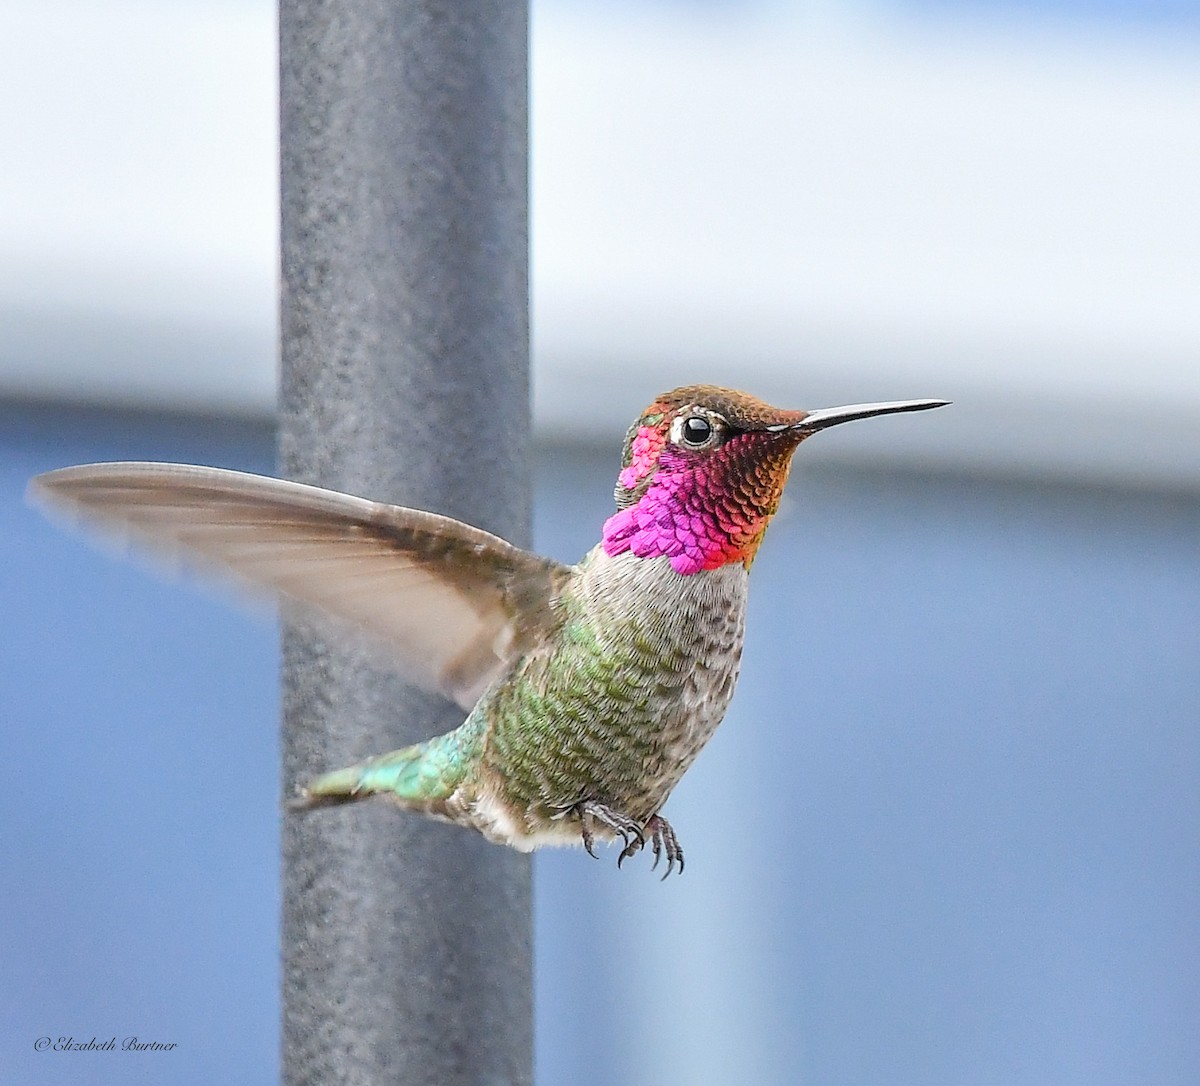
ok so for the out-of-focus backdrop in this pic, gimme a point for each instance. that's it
(950, 831)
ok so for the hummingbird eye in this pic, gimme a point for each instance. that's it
(697, 430)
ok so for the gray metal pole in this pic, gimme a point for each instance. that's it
(406, 944)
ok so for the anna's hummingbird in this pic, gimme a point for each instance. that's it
(591, 688)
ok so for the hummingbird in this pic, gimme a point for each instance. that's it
(590, 688)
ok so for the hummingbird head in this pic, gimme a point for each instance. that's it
(703, 470)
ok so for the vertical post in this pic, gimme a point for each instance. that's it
(406, 943)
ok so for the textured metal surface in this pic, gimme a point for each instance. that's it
(404, 378)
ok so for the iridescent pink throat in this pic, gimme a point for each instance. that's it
(682, 516)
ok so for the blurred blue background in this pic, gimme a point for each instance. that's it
(950, 831)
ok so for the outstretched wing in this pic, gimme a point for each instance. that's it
(454, 603)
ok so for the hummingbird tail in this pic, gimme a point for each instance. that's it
(421, 777)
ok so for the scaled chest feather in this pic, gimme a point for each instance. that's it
(639, 676)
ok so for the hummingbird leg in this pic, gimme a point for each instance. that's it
(664, 842)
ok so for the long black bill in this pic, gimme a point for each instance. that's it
(831, 416)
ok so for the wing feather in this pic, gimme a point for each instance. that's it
(455, 604)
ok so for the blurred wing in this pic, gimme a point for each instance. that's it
(454, 603)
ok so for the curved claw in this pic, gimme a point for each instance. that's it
(636, 844)
(588, 840)
(631, 847)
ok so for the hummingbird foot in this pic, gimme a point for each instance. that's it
(629, 831)
(657, 830)
(665, 843)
